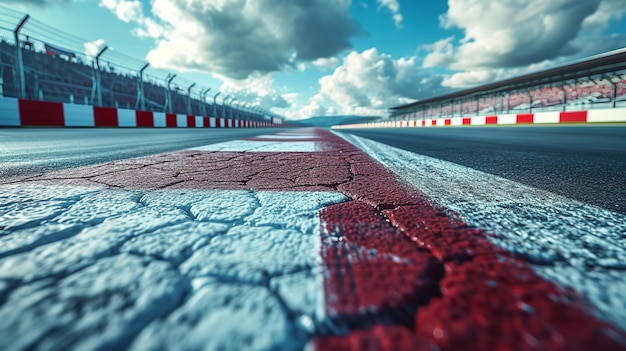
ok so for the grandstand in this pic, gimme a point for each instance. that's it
(593, 83)
(54, 69)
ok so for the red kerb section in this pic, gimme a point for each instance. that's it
(423, 123)
(191, 121)
(390, 250)
(433, 122)
(525, 118)
(170, 120)
(491, 120)
(467, 121)
(573, 117)
(447, 122)
(206, 122)
(41, 113)
(105, 116)
(144, 119)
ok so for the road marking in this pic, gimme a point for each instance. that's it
(259, 237)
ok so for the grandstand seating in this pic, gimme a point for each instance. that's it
(68, 79)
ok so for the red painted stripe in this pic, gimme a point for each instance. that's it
(573, 117)
(379, 338)
(387, 250)
(105, 116)
(414, 123)
(467, 121)
(170, 120)
(433, 122)
(447, 122)
(206, 122)
(144, 119)
(491, 120)
(191, 121)
(524, 118)
(423, 123)
(41, 113)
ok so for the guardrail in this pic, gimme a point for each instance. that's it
(554, 117)
(33, 113)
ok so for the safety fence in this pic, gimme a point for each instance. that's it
(41, 63)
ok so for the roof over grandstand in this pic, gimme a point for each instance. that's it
(595, 65)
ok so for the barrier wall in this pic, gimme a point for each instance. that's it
(32, 113)
(556, 117)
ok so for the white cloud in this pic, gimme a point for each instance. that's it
(370, 82)
(317, 107)
(394, 8)
(92, 48)
(125, 10)
(510, 33)
(241, 38)
(608, 11)
(257, 90)
(326, 63)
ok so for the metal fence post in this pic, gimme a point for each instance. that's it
(20, 60)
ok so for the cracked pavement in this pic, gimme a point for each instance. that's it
(279, 242)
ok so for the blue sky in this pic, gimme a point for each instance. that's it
(330, 57)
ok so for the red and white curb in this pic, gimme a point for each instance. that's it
(282, 241)
(32, 113)
(553, 117)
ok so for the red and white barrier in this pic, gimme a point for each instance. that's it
(32, 113)
(554, 117)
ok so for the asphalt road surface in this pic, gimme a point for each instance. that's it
(36, 150)
(586, 163)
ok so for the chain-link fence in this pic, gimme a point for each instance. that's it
(39, 62)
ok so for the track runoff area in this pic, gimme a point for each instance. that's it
(304, 239)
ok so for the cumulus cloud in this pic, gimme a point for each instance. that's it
(92, 48)
(608, 11)
(326, 63)
(125, 10)
(369, 82)
(515, 32)
(240, 38)
(259, 91)
(394, 8)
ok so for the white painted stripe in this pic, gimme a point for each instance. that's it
(547, 117)
(222, 247)
(9, 112)
(441, 122)
(478, 120)
(286, 137)
(126, 118)
(199, 122)
(565, 237)
(261, 146)
(160, 119)
(457, 121)
(507, 119)
(607, 115)
(181, 121)
(78, 115)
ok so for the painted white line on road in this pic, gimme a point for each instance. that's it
(286, 137)
(567, 241)
(104, 265)
(260, 146)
